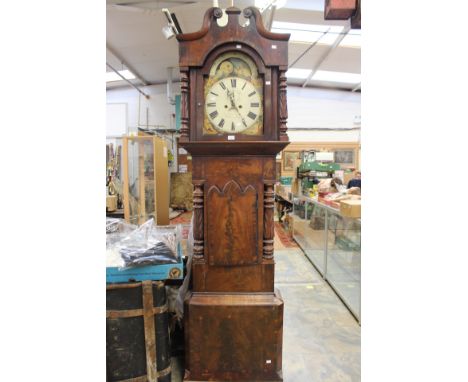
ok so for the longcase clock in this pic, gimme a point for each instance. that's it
(233, 123)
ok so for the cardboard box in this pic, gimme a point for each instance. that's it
(295, 187)
(351, 208)
(111, 203)
(347, 177)
(289, 225)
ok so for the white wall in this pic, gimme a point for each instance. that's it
(307, 108)
(324, 136)
(324, 109)
(155, 111)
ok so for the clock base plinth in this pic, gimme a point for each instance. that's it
(233, 337)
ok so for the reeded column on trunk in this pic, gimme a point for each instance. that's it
(198, 239)
(283, 105)
(268, 219)
(184, 105)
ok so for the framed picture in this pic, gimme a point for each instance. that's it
(278, 171)
(289, 160)
(344, 157)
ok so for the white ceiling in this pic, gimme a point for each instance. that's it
(135, 40)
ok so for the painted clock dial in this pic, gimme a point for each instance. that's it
(233, 105)
(233, 97)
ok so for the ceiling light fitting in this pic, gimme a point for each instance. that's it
(172, 28)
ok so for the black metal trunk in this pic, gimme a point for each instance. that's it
(137, 343)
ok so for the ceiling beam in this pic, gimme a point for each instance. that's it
(324, 56)
(129, 67)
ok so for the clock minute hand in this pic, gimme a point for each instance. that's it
(240, 115)
(231, 98)
(233, 105)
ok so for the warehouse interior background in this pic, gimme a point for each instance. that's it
(324, 109)
(324, 61)
(413, 101)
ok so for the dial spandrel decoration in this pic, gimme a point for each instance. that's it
(233, 97)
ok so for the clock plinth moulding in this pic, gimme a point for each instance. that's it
(233, 316)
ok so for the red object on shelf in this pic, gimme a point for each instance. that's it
(335, 204)
(328, 202)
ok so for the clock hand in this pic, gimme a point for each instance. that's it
(231, 98)
(240, 115)
(233, 105)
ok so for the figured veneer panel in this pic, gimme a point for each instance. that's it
(232, 213)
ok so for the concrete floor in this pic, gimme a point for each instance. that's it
(321, 339)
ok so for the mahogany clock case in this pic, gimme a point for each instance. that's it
(234, 337)
(233, 316)
(237, 223)
(199, 50)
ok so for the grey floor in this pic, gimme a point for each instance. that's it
(321, 339)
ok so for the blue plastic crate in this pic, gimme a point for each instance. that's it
(147, 272)
(286, 180)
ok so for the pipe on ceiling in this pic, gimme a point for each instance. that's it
(170, 95)
(357, 87)
(129, 82)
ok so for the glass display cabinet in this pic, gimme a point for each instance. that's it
(145, 180)
(113, 175)
(332, 242)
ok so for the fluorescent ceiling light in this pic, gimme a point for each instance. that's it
(308, 5)
(113, 76)
(325, 75)
(308, 33)
(298, 73)
(261, 4)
